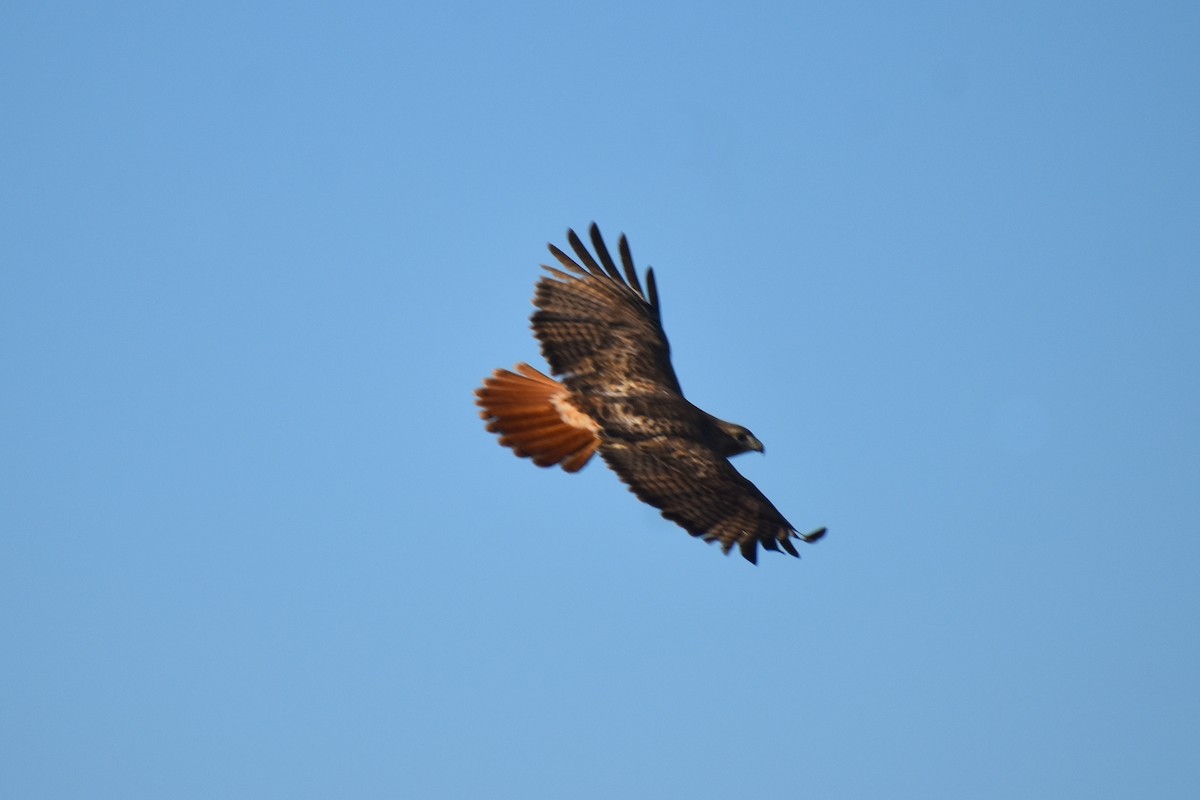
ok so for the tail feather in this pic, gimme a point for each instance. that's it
(575, 462)
(533, 416)
(548, 447)
(543, 423)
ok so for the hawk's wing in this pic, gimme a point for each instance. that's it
(702, 493)
(599, 329)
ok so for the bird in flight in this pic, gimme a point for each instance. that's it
(602, 334)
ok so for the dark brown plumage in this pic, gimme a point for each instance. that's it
(602, 334)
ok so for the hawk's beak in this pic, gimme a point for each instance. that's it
(755, 444)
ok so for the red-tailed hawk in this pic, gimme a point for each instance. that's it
(603, 335)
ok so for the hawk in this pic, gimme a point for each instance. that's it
(602, 334)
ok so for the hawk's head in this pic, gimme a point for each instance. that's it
(735, 439)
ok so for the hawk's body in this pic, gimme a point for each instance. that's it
(602, 333)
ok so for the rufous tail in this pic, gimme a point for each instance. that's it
(534, 416)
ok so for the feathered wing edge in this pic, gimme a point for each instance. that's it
(720, 505)
(591, 314)
(606, 269)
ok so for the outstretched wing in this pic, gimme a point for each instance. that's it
(702, 492)
(603, 335)
(599, 330)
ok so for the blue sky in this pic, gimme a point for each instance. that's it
(943, 259)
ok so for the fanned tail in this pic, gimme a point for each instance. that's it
(534, 416)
